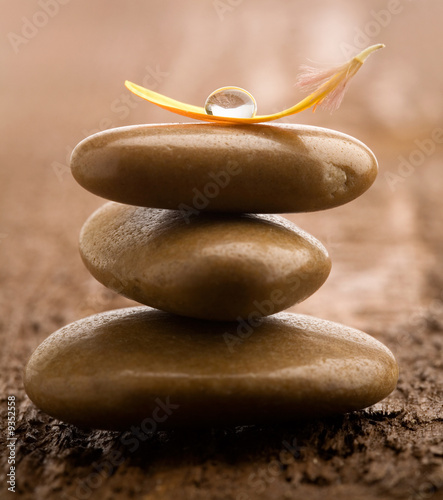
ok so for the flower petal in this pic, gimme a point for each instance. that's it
(328, 88)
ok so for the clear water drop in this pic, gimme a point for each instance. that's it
(232, 102)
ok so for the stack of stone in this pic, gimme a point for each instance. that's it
(185, 239)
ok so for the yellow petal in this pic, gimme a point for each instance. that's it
(166, 102)
(345, 71)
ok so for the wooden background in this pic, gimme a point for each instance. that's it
(62, 79)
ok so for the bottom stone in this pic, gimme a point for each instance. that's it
(143, 367)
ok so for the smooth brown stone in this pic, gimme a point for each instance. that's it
(227, 168)
(117, 369)
(217, 266)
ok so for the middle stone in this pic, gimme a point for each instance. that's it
(210, 266)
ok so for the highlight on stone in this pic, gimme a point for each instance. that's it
(188, 232)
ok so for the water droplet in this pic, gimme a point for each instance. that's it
(232, 102)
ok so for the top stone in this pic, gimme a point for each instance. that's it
(225, 168)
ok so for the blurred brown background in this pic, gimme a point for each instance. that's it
(64, 64)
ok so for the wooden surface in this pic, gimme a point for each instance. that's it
(386, 247)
